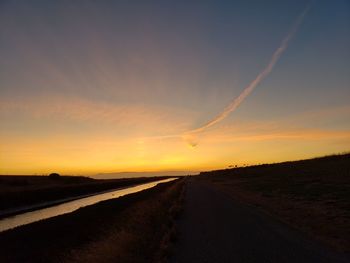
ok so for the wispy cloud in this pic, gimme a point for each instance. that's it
(65, 108)
(248, 90)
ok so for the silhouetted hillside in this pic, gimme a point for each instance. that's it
(312, 195)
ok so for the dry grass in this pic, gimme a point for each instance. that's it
(18, 191)
(170, 235)
(312, 195)
(133, 228)
(143, 233)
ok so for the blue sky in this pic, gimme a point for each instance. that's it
(119, 71)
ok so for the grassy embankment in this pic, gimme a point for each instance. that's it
(18, 191)
(311, 195)
(134, 228)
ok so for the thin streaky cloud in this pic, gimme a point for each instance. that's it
(260, 77)
(190, 136)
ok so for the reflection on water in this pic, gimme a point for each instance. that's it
(30, 217)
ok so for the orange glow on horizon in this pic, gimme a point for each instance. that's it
(91, 153)
(92, 87)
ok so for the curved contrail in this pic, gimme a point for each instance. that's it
(190, 136)
(252, 85)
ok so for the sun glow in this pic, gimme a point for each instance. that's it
(92, 87)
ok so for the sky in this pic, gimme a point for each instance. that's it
(93, 87)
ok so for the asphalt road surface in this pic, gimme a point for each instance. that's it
(215, 228)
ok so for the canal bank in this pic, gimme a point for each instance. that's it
(131, 227)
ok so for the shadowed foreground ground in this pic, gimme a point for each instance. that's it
(133, 228)
(311, 195)
(17, 192)
(215, 228)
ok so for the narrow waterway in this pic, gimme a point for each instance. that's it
(68, 207)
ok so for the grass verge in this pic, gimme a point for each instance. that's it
(133, 228)
(20, 191)
(311, 195)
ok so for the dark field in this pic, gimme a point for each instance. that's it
(19, 191)
(134, 228)
(311, 195)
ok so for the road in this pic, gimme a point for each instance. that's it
(215, 228)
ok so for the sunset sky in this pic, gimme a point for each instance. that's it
(92, 87)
